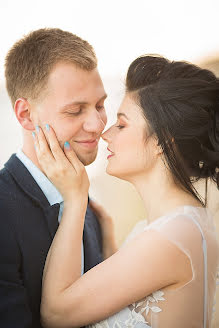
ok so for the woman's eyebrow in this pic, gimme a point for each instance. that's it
(121, 114)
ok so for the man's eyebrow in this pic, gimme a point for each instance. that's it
(81, 102)
(122, 114)
(103, 98)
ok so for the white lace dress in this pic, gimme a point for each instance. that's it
(192, 230)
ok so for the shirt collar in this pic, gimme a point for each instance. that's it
(52, 194)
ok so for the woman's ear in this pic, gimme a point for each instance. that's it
(159, 149)
(22, 112)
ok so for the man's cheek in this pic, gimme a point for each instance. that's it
(104, 118)
(59, 135)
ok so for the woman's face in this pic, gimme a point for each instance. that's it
(131, 153)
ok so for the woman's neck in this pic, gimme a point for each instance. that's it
(160, 194)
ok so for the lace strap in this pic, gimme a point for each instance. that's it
(204, 247)
(217, 279)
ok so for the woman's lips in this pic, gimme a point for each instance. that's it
(112, 154)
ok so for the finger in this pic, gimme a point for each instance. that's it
(35, 141)
(72, 157)
(36, 145)
(44, 153)
(55, 147)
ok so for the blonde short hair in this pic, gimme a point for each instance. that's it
(31, 59)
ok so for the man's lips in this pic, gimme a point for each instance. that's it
(89, 143)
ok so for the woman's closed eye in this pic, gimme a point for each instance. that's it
(119, 126)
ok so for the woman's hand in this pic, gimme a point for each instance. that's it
(107, 229)
(62, 167)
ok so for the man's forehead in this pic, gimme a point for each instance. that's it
(75, 86)
(66, 71)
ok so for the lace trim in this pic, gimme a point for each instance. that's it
(137, 317)
(134, 317)
(153, 298)
(214, 302)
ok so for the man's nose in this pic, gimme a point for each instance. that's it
(94, 122)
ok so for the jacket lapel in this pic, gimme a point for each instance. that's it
(26, 182)
(51, 214)
(91, 235)
(92, 241)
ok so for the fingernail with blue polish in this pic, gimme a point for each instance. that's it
(37, 129)
(47, 127)
(33, 134)
(67, 145)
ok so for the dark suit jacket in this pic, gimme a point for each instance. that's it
(27, 226)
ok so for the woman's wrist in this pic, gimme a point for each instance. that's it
(75, 197)
(74, 208)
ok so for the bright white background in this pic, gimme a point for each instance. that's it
(120, 30)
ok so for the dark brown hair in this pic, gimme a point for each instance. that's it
(180, 101)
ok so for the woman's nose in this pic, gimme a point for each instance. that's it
(106, 136)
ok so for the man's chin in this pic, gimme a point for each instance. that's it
(87, 159)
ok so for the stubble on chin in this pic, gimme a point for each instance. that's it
(85, 158)
(88, 158)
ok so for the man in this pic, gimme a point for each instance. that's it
(51, 78)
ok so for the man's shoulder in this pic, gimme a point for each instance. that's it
(18, 188)
(9, 175)
(14, 200)
(7, 184)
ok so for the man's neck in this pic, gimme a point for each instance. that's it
(29, 151)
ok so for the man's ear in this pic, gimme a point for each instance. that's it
(22, 112)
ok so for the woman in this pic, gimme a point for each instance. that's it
(167, 134)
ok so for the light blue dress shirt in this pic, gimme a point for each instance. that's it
(52, 194)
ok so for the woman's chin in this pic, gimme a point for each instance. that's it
(112, 171)
(115, 172)
(109, 170)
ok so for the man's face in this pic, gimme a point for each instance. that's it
(74, 107)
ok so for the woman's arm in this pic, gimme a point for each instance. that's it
(146, 264)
